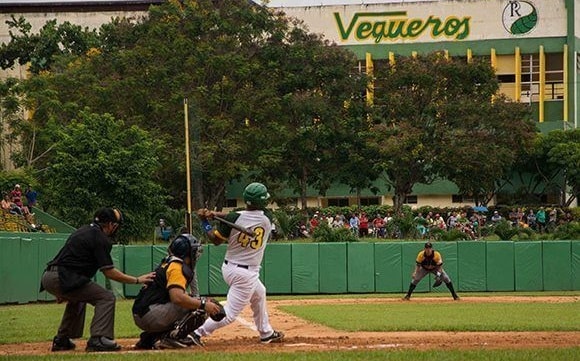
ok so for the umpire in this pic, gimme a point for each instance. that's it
(430, 261)
(69, 277)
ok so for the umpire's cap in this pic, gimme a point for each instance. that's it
(428, 245)
(105, 215)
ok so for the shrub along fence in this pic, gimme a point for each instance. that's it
(325, 268)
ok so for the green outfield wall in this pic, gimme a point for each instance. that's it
(320, 268)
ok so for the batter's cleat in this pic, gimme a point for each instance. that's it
(406, 298)
(276, 336)
(62, 344)
(195, 340)
(102, 344)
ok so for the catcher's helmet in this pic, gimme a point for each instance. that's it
(256, 195)
(185, 245)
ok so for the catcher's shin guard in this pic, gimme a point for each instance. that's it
(189, 323)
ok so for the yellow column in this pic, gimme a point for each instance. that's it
(493, 61)
(391, 57)
(371, 84)
(518, 69)
(414, 54)
(446, 54)
(469, 55)
(565, 82)
(542, 83)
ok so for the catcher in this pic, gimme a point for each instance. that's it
(163, 309)
(430, 261)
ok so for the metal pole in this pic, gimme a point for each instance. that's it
(187, 166)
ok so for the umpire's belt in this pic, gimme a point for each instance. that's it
(237, 265)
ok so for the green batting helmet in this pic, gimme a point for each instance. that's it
(256, 195)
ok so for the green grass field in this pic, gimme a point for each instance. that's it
(38, 322)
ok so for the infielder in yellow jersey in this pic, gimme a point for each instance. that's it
(242, 262)
(430, 261)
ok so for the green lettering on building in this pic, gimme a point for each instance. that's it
(395, 25)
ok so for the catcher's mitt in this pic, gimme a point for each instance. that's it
(221, 314)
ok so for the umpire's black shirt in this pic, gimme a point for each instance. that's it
(85, 252)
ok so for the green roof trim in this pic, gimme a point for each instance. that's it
(438, 187)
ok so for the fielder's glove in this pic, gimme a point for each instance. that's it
(438, 280)
(221, 314)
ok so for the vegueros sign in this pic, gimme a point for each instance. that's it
(434, 21)
(396, 25)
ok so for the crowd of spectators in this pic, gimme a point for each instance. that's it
(468, 222)
(15, 210)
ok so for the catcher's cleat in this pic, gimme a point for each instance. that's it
(276, 336)
(169, 342)
(195, 340)
(146, 341)
(62, 344)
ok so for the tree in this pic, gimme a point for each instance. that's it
(317, 105)
(245, 70)
(557, 161)
(434, 117)
(40, 50)
(100, 162)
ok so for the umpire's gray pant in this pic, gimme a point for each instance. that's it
(73, 319)
(160, 317)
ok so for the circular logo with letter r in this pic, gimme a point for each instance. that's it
(519, 17)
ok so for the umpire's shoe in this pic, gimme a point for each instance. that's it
(276, 336)
(62, 344)
(101, 344)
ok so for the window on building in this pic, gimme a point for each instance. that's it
(370, 201)
(411, 200)
(459, 198)
(338, 202)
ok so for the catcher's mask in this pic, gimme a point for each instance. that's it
(256, 195)
(185, 245)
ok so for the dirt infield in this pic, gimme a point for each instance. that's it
(304, 336)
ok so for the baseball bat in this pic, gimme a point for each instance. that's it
(244, 230)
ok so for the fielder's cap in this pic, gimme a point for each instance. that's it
(17, 186)
(428, 245)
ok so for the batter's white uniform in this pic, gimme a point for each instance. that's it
(241, 271)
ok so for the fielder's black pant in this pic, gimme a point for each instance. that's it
(73, 319)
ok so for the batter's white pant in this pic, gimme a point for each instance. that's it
(245, 288)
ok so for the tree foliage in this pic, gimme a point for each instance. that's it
(434, 117)
(557, 162)
(100, 162)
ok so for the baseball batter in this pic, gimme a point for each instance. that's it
(430, 261)
(241, 267)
